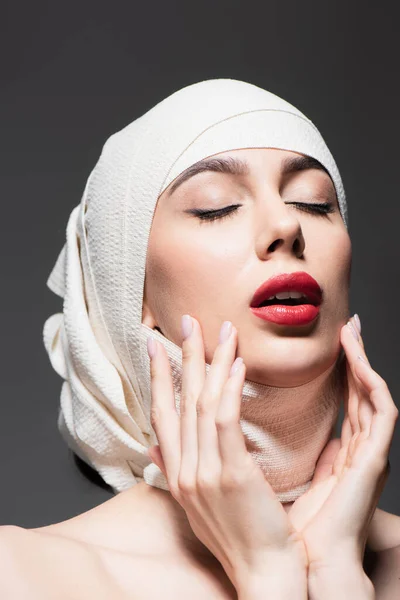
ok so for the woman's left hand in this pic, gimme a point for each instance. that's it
(334, 515)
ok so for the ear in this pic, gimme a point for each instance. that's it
(147, 317)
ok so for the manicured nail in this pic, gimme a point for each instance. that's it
(353, 330)
(187, 326)
(151, 347)
(236, 366)
(225, 331)
(357, 322)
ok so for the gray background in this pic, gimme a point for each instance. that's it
(72, 74)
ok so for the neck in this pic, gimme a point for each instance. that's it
(156, 517)
(159, 520)
(285, 429)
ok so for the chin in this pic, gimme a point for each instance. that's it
(291, 371)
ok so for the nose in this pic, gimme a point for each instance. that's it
(279, 229)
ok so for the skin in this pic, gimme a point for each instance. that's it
(205, 264)
(198, 271)
(265, 235)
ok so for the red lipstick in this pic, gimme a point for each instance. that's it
(296, 311)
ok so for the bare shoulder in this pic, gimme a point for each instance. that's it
(384, 531)
(44, 566)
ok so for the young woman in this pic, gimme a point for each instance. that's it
(220, 206)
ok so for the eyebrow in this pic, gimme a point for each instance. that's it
(237, 166)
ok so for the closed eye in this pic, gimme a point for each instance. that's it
(322, 208)
(211, 215)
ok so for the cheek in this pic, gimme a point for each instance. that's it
(341, 254)
(335, 260)
(191, 267)
(331, 248)
(195, 274)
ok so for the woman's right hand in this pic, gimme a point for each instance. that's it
(229, 504)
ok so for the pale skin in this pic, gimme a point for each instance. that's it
(141, 544)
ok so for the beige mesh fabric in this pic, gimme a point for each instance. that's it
(98, 343)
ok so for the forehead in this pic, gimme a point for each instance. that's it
(254, 154)
(244, 160)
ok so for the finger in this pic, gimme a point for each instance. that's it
(346, 438)
(359, 404)
(355, 342)
(365, 410)
(351, 347)
(209, 458)
(364, 407)
(341, 460)
(323, 468)
(372, 418)
(385, 411)
(358, 331)
(232, 445)
(346, 432)
(193, 378)
(352, 402)
(365, 414)
(163, 415)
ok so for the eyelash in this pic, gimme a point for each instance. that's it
(321, 209)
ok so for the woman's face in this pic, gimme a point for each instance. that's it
(210, 269)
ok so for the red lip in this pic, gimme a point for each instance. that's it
(300, 281)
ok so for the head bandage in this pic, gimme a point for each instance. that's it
(98, 343)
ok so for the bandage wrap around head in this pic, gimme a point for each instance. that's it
(98, 343)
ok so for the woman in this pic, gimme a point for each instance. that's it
(219, 198)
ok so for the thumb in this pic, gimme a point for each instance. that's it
(323, 468)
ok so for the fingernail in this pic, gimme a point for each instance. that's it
(353, 330)
(151, 347)
(236, 365)
(225, 331)
(357, 322)
(187, 326)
